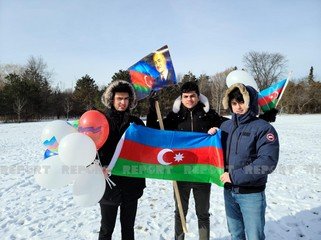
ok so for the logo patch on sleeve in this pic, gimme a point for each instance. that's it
(270, 137)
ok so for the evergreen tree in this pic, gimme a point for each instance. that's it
(189, 77)
(311, 76)
(6, 69)
(39, 92)
(36, 77)
(121, 75)
(86, 95)
(57, 102)
(15, 96)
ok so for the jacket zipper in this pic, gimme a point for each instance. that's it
(229, 147)
(237, 142)
(192, 128)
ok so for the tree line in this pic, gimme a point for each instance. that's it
(26, 93)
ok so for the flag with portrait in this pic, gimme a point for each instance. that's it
(153, 72)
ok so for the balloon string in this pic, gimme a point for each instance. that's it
(99, 162)
(111, 184)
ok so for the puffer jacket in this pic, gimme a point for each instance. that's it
(251, 146)
(127, 188)
(199, 119)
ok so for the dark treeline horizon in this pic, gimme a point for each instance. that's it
(27, 95)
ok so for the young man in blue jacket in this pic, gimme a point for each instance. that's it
(251, 152)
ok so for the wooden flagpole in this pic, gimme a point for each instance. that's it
(176, 192)
(286, 84)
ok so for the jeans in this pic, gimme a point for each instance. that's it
(245, 215)
(127, 220)
(201, 192)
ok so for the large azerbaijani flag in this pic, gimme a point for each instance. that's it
(171, 155)
(144, 74)
(269, 97)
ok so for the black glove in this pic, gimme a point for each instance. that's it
(269, 115)
(152, 98)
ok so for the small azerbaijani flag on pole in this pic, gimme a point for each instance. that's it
(170, 155)
(149, 73)
(269, 97)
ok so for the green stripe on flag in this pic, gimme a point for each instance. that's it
(183, 172)
(269, 106)
(140, 88)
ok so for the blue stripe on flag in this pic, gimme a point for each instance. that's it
(145, 68)
(272, 88)
(171, 139)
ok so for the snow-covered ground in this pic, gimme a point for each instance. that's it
(28, 211)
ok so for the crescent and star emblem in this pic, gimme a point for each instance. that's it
(160, 156)
(274, 95)
(148, 82)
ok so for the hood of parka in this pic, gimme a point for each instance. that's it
(108, 96)
(250, 96)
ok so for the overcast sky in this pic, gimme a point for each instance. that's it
(78, 37)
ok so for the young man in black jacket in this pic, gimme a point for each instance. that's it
(119, 98)
(191, 112)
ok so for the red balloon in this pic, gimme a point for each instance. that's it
(95, 125)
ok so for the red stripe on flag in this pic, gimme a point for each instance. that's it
(267, 99)
(141, 79)
(145, 154)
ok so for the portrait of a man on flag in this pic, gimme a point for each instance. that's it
(153, 72)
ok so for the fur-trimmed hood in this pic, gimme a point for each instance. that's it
(177, 103)
(107, 97)
(249, 94)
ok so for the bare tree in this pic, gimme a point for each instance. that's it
(67, 106)
(302, 96)
(203, 84)
(18, 106)
(36, 67)
(315, 93)
(265, 67)
(6, 69)
(298, 98)
(218, 87)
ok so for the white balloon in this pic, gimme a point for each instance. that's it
(51, 173)
(240, 76)
(77, 149)
(89, 186)
(57, 129)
